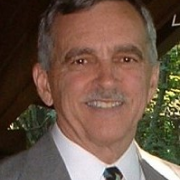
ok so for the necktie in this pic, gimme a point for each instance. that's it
(112, 173)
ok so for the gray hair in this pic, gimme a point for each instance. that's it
(46, 40)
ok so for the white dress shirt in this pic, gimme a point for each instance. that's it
(83, 165)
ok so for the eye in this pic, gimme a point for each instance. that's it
(79, 61)
(127, 60)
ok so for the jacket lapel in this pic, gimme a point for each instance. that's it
(149, 172)
(156, 168)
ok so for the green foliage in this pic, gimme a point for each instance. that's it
(35, 121)
(159, 130)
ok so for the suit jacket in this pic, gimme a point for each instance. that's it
(43, 162)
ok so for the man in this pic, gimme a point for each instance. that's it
(98, 68)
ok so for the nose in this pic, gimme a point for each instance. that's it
(106, 76)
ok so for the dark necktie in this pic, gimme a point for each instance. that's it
(112, 173)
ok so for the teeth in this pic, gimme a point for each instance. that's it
(104, 105)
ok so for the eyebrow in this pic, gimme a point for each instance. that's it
(129, 48)
(78, 52)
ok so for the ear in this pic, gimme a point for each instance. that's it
(42, 84)
(153, 81)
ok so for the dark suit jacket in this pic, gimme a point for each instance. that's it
(43, 162)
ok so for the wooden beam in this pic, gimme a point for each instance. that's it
(12, 142)
(168, 42)
(18, 53)
(21, 102)
(163, 11)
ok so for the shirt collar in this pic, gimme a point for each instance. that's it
(83, 165)
(129, 164)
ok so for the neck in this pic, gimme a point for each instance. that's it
(108, 150)
(110, 153)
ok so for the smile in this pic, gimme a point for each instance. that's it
(104, 105)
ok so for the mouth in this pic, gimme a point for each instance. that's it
(104, 104)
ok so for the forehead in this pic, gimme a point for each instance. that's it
(106, 22)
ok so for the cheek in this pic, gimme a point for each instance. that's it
(136, 89)
(135, 83)
(72, 88)
(77, 82)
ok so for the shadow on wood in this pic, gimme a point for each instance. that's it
(12, 142)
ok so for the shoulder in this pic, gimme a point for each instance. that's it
(13, 167)
(162, 166)
(174, 167)
(35, 163)
(14, 164)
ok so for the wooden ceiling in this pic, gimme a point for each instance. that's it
(18, 36)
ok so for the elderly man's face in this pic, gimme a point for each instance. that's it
(100, 79)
